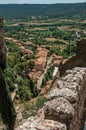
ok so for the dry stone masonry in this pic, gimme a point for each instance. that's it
(65, 107)
(67, 101)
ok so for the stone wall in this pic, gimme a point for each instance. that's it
(69, 99)
(65, 107)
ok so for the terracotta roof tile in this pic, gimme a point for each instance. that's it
(56, 57)
(64, 61)
(57, 62)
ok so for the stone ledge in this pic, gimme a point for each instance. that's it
(65, 108)
(67, 101)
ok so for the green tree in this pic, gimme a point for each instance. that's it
(10, 78)
(24, 88)
(25, 93)
(6, 107)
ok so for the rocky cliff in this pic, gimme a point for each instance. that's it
(66, 105)
(79, 60)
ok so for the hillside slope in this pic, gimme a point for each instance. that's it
(51, 10)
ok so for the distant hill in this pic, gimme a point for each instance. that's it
(18, 11)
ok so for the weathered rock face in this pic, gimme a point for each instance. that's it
(66, 93)
(76, 61)
(59, 109)
(65, 108)
(35, 123)
(67, 102)
(2, 46)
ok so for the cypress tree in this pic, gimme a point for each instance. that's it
(6, 107)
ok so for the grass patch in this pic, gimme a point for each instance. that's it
(33, 106)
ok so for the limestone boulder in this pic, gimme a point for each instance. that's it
(71, 85)
(59, 109)
(66, 93)
(35, 123)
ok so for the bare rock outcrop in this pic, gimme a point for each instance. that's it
(79, 60)
(66, 93)
(67, 102)
(59, 109)
(35, 123)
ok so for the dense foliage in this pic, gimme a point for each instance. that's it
(48, 76)
(16, 73)
(19, 11)
(6, 106)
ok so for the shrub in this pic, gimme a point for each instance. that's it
(25, 93)
(24, 88)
